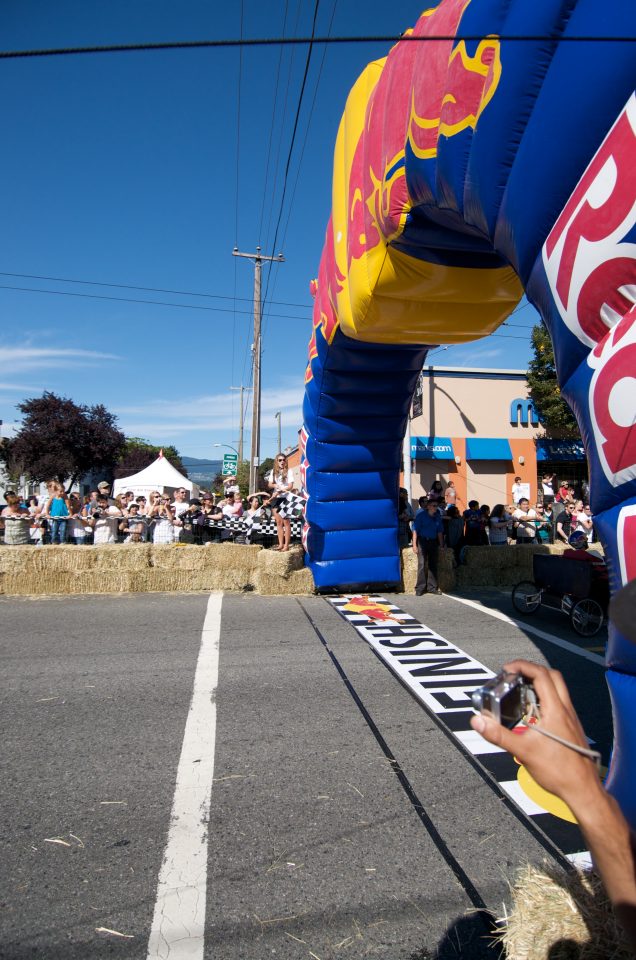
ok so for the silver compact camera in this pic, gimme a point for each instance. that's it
(506, 698)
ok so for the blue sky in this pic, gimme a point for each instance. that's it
(139, 170)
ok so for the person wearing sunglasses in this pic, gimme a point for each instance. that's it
(280, 481)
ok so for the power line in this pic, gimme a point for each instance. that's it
(129, 286)
(154, 303)
(266, 192)
(307, 128)
(236, 198)
(302, 41)
(290, 205)
(291, 145)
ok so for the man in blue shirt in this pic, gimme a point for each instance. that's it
(428, 537)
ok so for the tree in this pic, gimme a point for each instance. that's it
(554, 413)
(138, 454)
(62, 440)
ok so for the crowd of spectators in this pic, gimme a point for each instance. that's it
(100, 518)
(552, 519)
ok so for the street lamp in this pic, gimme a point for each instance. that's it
(279, 447)
(228, 446)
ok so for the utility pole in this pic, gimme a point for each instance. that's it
(255, 450)
(241, 421)
(279, 448)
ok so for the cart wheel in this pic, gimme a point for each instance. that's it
(526, 597)
(586, 617)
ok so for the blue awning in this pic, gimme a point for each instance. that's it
(432, 448)
(560, 451)
(492, 448)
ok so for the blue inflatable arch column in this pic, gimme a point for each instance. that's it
(465, 172)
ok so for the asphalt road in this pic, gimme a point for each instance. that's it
(314, 847)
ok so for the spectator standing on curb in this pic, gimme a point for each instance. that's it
(57, 512)
(454, 530)
(37, 526)
(179, 507)
(77, 522)
(564, 525)
(565, 494)
(524, 517)
(543, 524)
(450, 495)
(547, 486)
(103, 488)
(17, 522)
(517, 491)
(427, 538)
(163, 521)
(498, 526)
(474, 535)
(105, 521)
(405, 515)
(436, 493)
(191, 519)
(134, 526)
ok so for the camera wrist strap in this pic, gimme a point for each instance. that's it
(593, 755)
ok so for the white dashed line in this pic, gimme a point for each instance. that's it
(178, 923)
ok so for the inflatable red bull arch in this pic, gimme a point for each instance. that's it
(468, 170)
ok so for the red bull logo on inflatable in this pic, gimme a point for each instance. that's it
(591, 269)
(457, 90)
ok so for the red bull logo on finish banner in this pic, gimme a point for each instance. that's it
(372, 609)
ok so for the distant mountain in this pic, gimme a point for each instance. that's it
(202, 472)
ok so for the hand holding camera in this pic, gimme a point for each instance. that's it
(558, 757)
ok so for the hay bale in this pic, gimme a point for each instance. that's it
(216, 556)
(34, 560)
(296, 583)
(409, 570)
(65, 583)
(275, 562)
(283, 573)
(553, 911)
(123, 556)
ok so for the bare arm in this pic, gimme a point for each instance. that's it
(573, 778)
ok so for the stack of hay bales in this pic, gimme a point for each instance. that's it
(219, 566)
(499, 566)
(142, 568)
(445, 570)
(283, 573)
(560, 915)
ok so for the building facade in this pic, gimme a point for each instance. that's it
(479, 428)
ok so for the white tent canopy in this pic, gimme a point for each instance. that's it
(159, 475)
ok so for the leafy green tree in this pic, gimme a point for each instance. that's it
(61, 440)
(138, 454)
(554, 413)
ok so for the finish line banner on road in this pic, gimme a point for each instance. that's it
(442, 678)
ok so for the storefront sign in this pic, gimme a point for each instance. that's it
(560, 451)
(432, 448)
(522, 412)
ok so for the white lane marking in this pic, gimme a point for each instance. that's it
(178, 924)
(516, 792)
(475, 743)
(528, 628)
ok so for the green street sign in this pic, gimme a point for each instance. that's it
(230, 462)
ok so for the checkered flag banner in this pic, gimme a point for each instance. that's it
(293, 506)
